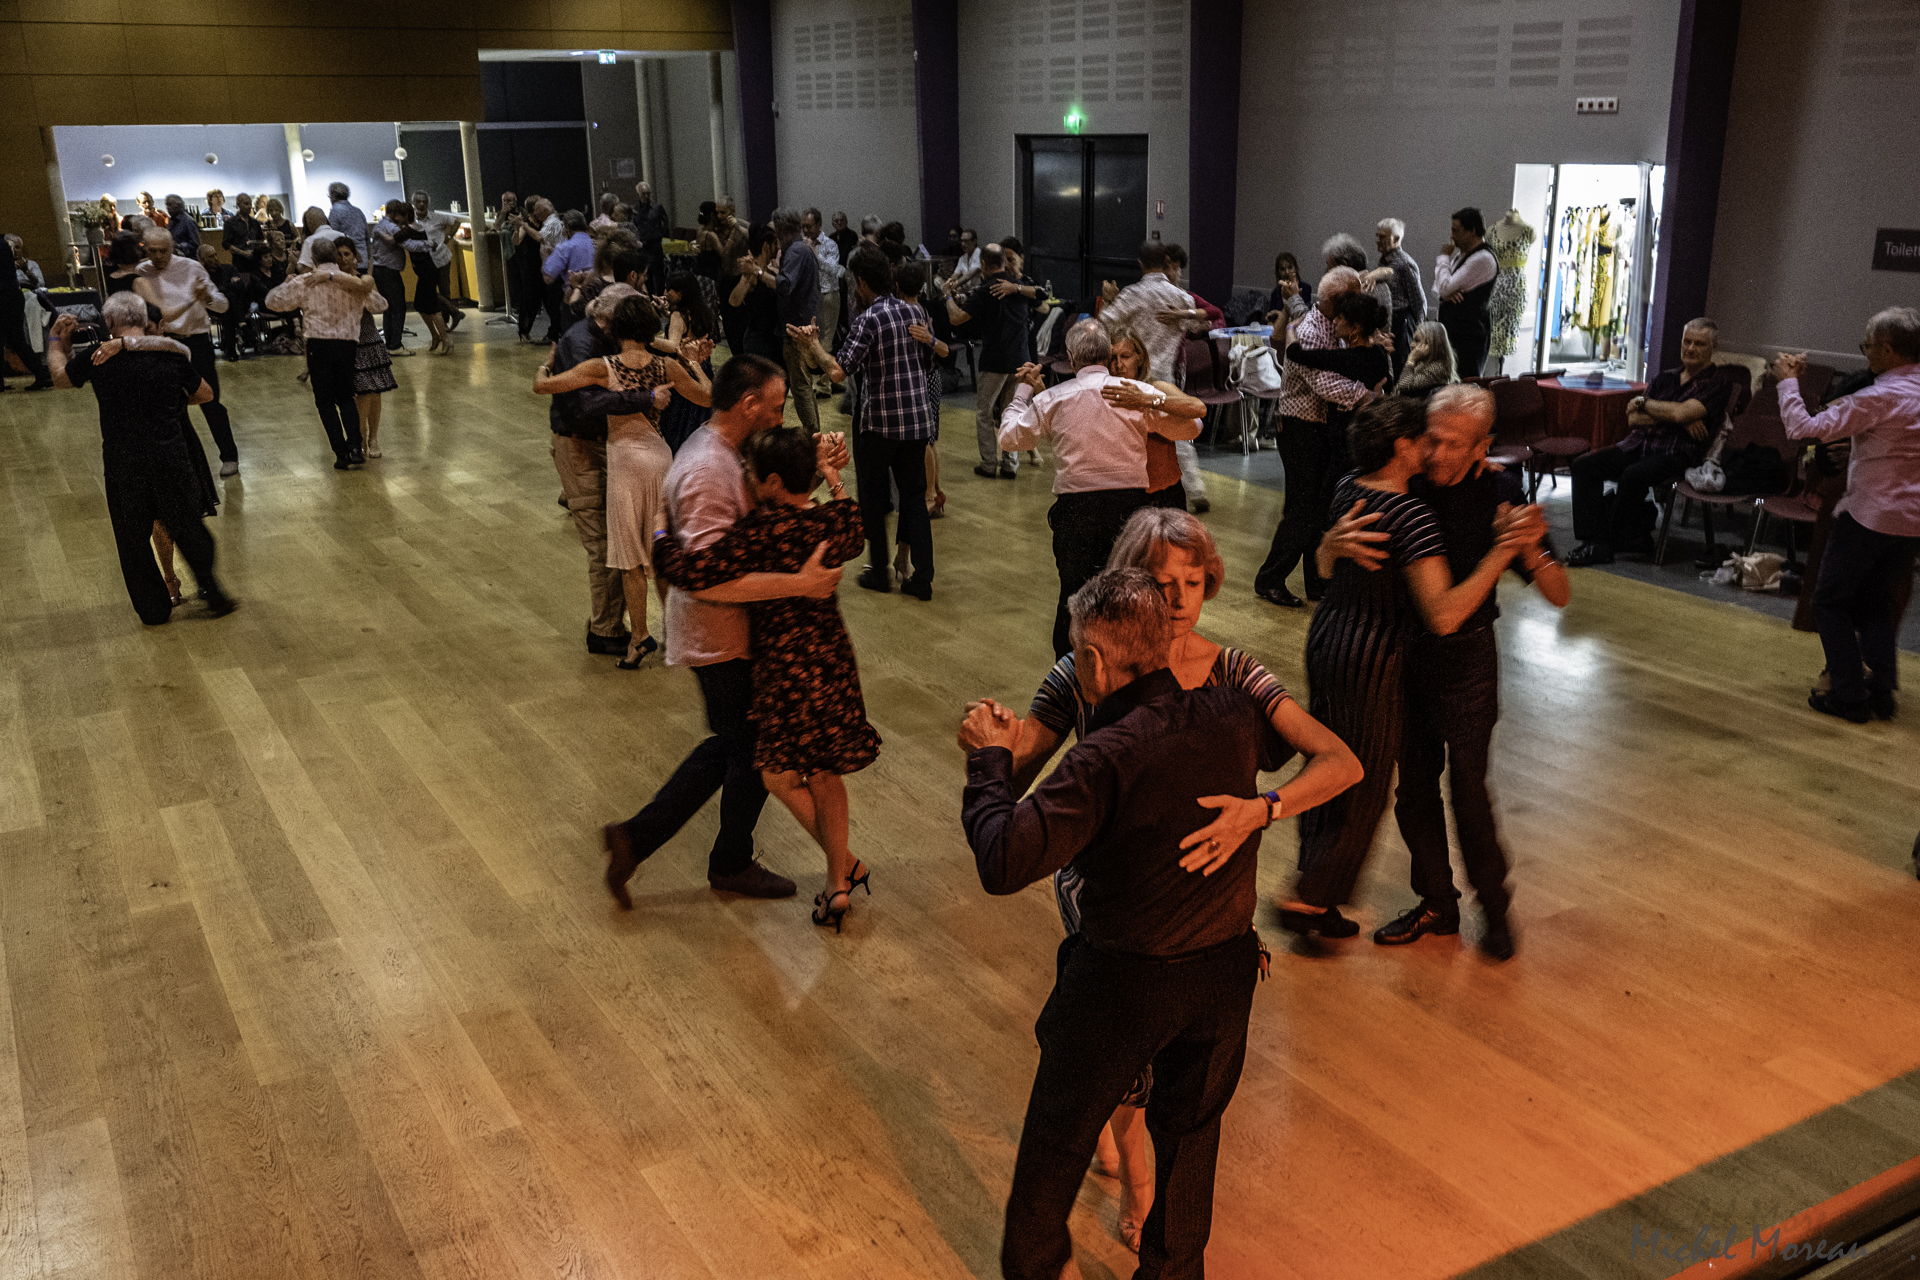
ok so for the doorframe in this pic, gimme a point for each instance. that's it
(1023, 193)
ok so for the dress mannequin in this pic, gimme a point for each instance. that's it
(1510, 239)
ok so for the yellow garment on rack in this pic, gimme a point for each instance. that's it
(1600, 299)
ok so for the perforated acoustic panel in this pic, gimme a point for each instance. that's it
(853, 64)
(1093, 51)
(1881, 41)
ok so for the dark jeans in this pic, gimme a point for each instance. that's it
(393, 287)
(200, 351)
(1856, 606)
(330, 375)
(878, 465)
(723, 763)
(1111, 1015)
(1314, 455)
(145, 484)
(558, 319)
(1631, 516)
(1453, 701)
(13, 336)
(1084, 528)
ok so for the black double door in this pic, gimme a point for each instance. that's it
(1084, 210)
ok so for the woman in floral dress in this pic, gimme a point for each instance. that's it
(808, 716)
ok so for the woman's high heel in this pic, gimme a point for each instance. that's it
(860, 881)
(828, 914)
(173, 593)
(638, 654)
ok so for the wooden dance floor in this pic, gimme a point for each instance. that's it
(306, 969)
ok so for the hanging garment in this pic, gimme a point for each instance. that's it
(1511, 240)
(1599, 313)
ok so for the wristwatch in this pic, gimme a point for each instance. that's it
(1274, 808)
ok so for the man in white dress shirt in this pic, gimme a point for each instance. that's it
(183, 291)
(1463, 277)
(1100, 455)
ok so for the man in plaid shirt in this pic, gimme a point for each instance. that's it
(1313, 450)
(890, 346)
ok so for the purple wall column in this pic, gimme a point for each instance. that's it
(1213, 144)
(753, 55)
(936, 95)
(1696, 144)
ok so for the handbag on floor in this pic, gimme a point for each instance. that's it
(1254, 371)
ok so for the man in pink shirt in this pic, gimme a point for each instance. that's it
(1876, 531)
(1100, 456)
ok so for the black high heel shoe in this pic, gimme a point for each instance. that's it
(638, 655)
(1328, 924)
(860, 881)
(828, 914)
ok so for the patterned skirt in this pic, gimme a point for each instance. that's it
(372, 366)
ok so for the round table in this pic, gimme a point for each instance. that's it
(1594, 414)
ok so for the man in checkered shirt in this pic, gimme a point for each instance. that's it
(1311, 448)
(890, 346)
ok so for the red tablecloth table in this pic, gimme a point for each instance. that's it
(1597, 414)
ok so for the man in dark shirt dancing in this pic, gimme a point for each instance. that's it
(1163, 968)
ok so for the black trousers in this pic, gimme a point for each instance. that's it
(1856, 606)
(1453, 702)
(1629, 518)
(1469, 348)
(1402, 339)
(525, 285)
(145, 484)
(330, 375)
(1084, 528)
(1314, 455)
(13, 336)
(393, 321)
(1357, 674)
(207, 365)
(723, 763)
(555, 294)
(878, 465)
(1110, 1016)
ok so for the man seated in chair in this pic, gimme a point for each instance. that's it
(1670, 426)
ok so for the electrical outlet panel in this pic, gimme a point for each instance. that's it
(1596, 106)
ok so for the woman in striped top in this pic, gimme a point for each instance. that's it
(1176, 548)
(1356, 647)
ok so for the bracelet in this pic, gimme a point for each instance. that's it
(1274, 808)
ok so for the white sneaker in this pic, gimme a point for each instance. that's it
(399, 352)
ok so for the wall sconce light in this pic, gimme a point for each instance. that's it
(307, 155)
(107, 161)
(212, 158)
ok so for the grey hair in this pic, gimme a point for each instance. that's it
(1150, 531)
(337, 191)
(607, 299)
(1433, 336)
(1126, 607)
(1087, 343)
(1345, 250)
(786, 220)
(123, 311)
(156, 230)
(870, 225)
(1704, 325)
(607, 201)
(1462, 400)
(1338, 281)
(1392, 225)
(139, 223)
(1899, 328)
(574, 220)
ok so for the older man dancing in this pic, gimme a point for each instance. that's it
(1163, 967)
(1099, 425)
(183, 291)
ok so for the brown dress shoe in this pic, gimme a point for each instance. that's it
(620, 862)
(754, 881)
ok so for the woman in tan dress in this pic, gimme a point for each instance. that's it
(637, 454)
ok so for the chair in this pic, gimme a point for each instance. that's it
(1521, 403)
(1204, 380)
(1795, 509)
(1750, 428)
(1519, 413)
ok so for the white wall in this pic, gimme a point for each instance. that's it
(353, 154)
(1369, 109)
(165, 158)
(689, 139)
(846, 136)
(1820, 153)
(1023, 62)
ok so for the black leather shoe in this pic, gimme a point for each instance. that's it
(1282, 597)
(918, 588)
(1009, 473)
(1328, 924)
(608, 644)
(357, 458)
(1423, 919)
(986, 472)
(1497, 942)
(1883, 705)
(1590, 553)
(874, 578)
(219, 603)
(620, 861)
(1851, 712)
(341, 464)
(755, 881)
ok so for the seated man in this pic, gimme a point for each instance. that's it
(1671, 424)
(1163, 968)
